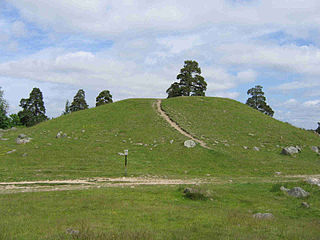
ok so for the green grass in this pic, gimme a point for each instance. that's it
(161, 212)
(111, 128)
(227, 126)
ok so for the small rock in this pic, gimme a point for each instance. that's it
(59, 134)
(298, 192)
(49, 144)
(282, 188)
(245, 147)
(12, 151)
(171, 141)
(4, 139)
(189, 144)
(124, 141)
(256, 149)
(230, 181)
(83, 131)
(305, 205)
(22, 136)
(64, 135)
(278, 173)
(315, 149)
(263, 215)
(25, 154)
(216, 142)
(120, 153)
(208, 175)
(250, 134)
(138, 144)
(23, 141)
(289, 150)
(72, 232)
(314, 181)
(227, 145)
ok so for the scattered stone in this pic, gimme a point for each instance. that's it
(230, 181)
(298, 192)
(64, 135)
(25, 154)
(83, 131)
(49, 144)
(12, 151)
(171, 141)
(256, 149)
(208, 175)
(72, 232)
(189, 144)
(124, 141)
(282, 188)
(4, 139)
(138, 144)
(59, 134)
(278, 173)
(216, 142)
(145, 145)
(227, 145)
(263, 215)
(250, 134)
(290, 150)
(314, 181)
(305, 205)
(120, 153)
(22, 139)
(315, 149)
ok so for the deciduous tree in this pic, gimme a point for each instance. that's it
(103, 98)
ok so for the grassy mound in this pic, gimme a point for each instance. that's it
(95, 137)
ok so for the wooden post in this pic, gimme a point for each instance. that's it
(125, 162)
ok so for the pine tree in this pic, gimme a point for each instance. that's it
(33, 109)
(191, 83)
(79, 102)
(103, 98)
(258, 100)
(66, 108)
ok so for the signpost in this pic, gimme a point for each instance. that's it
(125, 162)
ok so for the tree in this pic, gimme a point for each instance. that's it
(191, 83)
(33, 109)
(318, 129)
(258, 101)
(79, 102)
(66, 108)
(4, 120)
(103, 98)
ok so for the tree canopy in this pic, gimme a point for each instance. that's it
(79, 102)
(190, 84)
(103, 98)
(258, 100)
(33, 109)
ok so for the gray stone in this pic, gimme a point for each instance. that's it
(289, 150)
(245, 147)
(251, 134)
(25, 154)
(189, 143)
(314, 181)
(278, 173)
(12, 151)
(22, 139)
(263, 215)
(305, 205)
(256, 149)
(59, 134)
(282, 188)
(22, 135)
(171, 141)
(72, 232)
(315, 149)
(120, 153)
(298, 192)
(299, 148)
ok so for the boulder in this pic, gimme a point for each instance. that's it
(298, 192)
(263, 215)
(189, 144)
(22, 139)
(315, 149)
(290, 150)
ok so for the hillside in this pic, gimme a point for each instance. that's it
(95, 137)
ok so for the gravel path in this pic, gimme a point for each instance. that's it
(176, 126)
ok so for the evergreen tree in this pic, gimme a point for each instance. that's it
(66, 108)
(318, 129)
(258, 100)
(79, 102)
(4, 120)
(103, 98)
(33, 109)
(191, 83)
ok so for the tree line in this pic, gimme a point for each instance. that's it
(190, 83)
(33, 109)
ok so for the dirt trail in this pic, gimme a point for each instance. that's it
(90, 183)
(176, 126)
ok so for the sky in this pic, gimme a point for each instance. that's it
(136, 48)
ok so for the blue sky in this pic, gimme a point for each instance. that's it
(136, 49)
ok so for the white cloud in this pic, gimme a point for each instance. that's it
(312, 103)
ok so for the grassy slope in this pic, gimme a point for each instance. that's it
(220, 121)
(108, 129)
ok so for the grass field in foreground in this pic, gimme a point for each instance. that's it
(161, 212)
